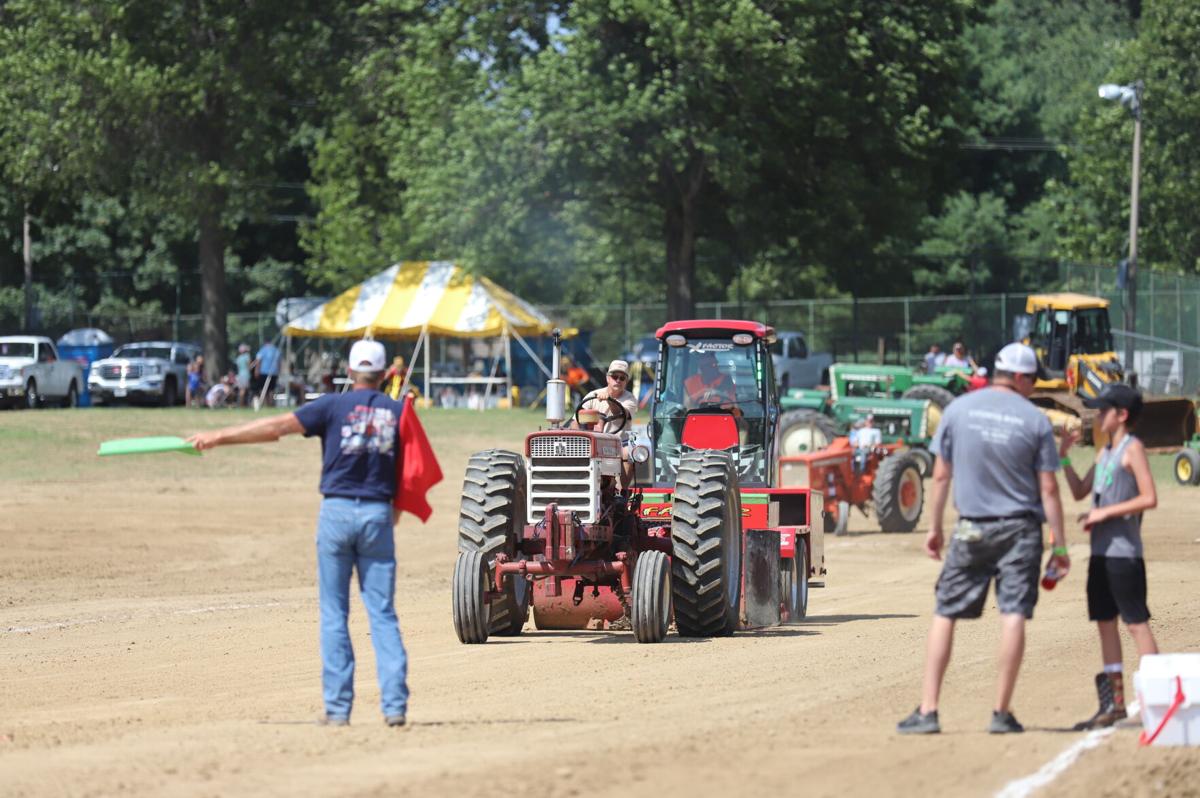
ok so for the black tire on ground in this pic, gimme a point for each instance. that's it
(33, 400)
(651, 597)
(934, 393)
(491, 517)
(170, 394)
(469, 590)
(72, 397)
(795, 582)
(925, 460)
(803, 431)
(898, 493)
(706, 533)
(1187, 467)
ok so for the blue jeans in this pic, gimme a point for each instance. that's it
(358, 534)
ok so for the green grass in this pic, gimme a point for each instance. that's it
(61, 445)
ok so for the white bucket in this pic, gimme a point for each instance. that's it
(1158, 682)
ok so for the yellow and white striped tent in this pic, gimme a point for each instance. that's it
(419, 299)
(415, 298)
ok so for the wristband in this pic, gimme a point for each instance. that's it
(1059, 551)
(1065, 461)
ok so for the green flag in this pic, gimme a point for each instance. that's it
(152, 445)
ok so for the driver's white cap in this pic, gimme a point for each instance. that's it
(618, 365)
(367, 356)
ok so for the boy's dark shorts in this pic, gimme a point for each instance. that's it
(1008, 550)
(1117, 585)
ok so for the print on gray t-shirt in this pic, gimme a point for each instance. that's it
(996, 441)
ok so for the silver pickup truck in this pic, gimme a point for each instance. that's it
(149, 371)
(32, 374)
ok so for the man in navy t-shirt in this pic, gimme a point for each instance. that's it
(359, 433)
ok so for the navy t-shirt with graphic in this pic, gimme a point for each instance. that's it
(360, 442)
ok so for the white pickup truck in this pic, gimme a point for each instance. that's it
(795, 366)
(32, 374)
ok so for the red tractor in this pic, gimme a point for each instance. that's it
(702, 536)
(887, 476)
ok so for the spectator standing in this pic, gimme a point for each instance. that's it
(242, 362)
(359, 443)
(934, 358)
(1122, 488)
(267, 371)
(959, 358)
(999, 449)
(194, 392)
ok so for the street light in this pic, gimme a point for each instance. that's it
(1131, 97)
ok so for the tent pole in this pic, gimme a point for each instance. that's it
(536, 359)
(487, 394)
(508, 366)
(408, 372)
(425, 335)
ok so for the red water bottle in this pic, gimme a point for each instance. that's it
(1051, 577)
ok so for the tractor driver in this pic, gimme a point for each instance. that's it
(864, 437)
(708, 386)
(601, 401)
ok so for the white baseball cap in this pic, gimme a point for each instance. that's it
(367, 356)
(618, 365)
(1017, 358)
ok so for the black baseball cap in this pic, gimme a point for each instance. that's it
(1119, 395)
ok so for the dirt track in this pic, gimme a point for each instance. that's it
(158, 636)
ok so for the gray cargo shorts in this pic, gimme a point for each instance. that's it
(1007, 549)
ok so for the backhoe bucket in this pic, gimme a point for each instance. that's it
(1165, 423)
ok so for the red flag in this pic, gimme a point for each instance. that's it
(418, 469)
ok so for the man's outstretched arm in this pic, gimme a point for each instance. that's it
(263, 430)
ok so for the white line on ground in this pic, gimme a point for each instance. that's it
(1054, 768)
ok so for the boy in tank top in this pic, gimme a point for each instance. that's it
(1122, 489)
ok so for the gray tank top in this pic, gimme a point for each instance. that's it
(1112, 484)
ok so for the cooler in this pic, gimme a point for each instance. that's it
(1168, 689)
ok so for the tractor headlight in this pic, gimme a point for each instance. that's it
(639, 454)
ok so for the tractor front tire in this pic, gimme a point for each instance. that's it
(804, 431)
(1187, 467)
(842, 525)
(651, 597)
(898, 493)
(469, 589)
(491, 516)
(706, 536)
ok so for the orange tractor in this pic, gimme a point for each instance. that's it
(887, 476)
(701, 536)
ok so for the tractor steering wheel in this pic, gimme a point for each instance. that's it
(621, 413)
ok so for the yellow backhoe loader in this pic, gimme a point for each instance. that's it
(1074, 345)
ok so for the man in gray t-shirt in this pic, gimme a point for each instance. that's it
(999, 452)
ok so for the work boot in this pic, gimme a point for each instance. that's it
(1110, 688)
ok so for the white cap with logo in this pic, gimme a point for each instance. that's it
(618, 365)
(367, 356)
(1017, 358)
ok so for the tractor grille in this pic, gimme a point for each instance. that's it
(561, 446)
(573, 483)
(115, 372)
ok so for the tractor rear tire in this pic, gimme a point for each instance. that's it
(925, 460)
(651, 597)
(469, 589)
(934, 393)
(804, 431)
(898, 493)
(1187, 467)
(706, 535)
(491, 517)
(795, 582)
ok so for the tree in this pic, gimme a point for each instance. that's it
(730, 126)
(1094, 202)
